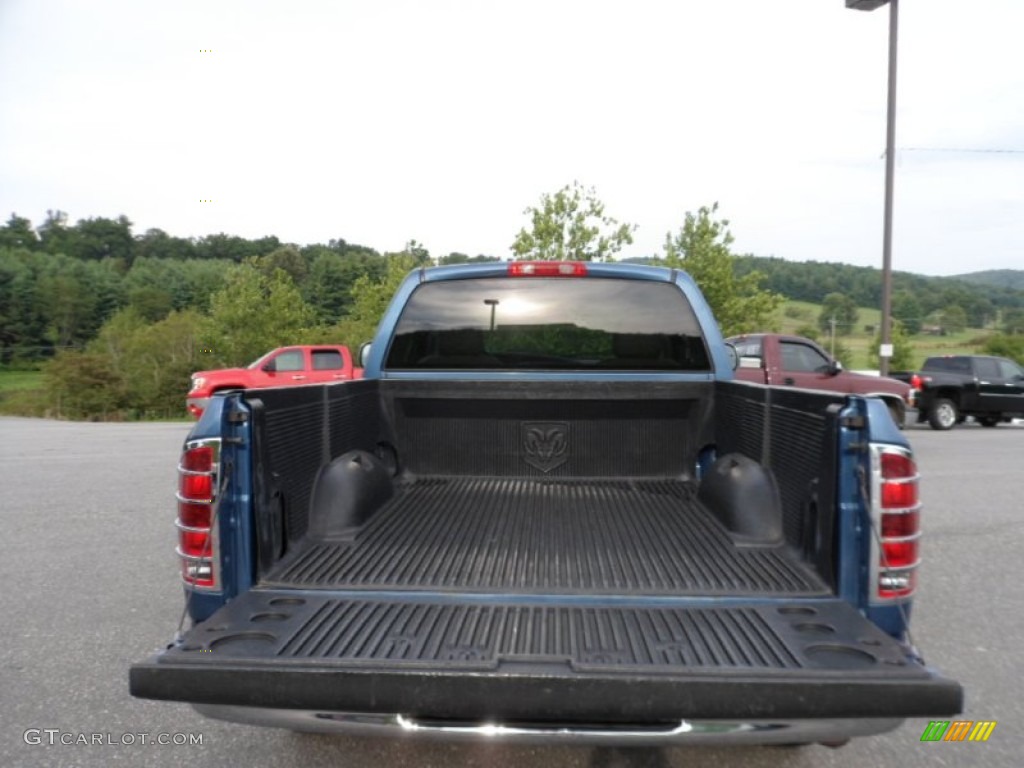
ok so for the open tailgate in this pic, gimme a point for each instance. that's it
(569, 658)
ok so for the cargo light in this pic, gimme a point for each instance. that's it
(198, 546)
(547, 269)
(896, 511)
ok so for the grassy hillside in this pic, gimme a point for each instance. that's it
(11, 381)
(21, 393)
(795, 315)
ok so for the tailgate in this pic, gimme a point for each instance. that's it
(567, 659)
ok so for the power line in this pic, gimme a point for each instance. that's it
(964, 150)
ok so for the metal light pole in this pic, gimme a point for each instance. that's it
(885, 351)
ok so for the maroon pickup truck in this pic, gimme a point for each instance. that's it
(793, 361)
(284, 366)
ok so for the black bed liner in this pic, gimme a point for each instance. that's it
(451, 656)
(636, 537)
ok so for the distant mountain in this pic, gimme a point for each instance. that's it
(812, 281)
(1008, 278)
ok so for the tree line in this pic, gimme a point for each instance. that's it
(123, 319)
(59, 283)
(915, 297)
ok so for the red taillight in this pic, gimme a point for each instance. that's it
(896, 509)
(193, 515)
(198, 459)
(197, 534)
(897, 466)
(898, 481)
(915, 381)
(547, 269)
(900, 554)
(196, 487)
(896, 526)
(899, 495)
(194, 543)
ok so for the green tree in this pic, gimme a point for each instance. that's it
(18, 233)
(809, 332)
(84, 385)
(101, 238)
(200, 279)
(151, 302)
(842, 353)
(419, 253)
(701, 247)
(461, 258)
(254, 313)
(840, 308)
(115, 337)
(234, 248)
(796, 313)
(157, 244)
(1013, 321)
(285, 258)
(1005, 345)
(131, 369)
(105, 279)
(907, 309)
(69, 307)
(571, 225)
(23, 316)
(168, 276)
(74, 296)
(327, 289)
(980, 311)
(54, 233)
(902, 349)
(11, 270)
(954, 319)
(188, 282)
(157, 362)
(371, 299)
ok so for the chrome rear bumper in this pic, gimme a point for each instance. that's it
(684, 732)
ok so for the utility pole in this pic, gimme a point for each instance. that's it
(885, 348)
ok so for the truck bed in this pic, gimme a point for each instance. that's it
(490, 587)
(529, 536)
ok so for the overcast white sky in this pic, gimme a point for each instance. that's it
(441, 120)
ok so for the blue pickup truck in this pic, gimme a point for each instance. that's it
(548, 512)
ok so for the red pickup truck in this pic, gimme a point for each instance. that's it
(793, 361)
(280, 367)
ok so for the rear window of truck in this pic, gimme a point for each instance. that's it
(327, 360)
(558, 324)
(949, 364)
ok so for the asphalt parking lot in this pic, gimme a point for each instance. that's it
(90, 585)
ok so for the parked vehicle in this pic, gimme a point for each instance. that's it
(318, 364)
(793, 361)
(952, 387)
(548, 512)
